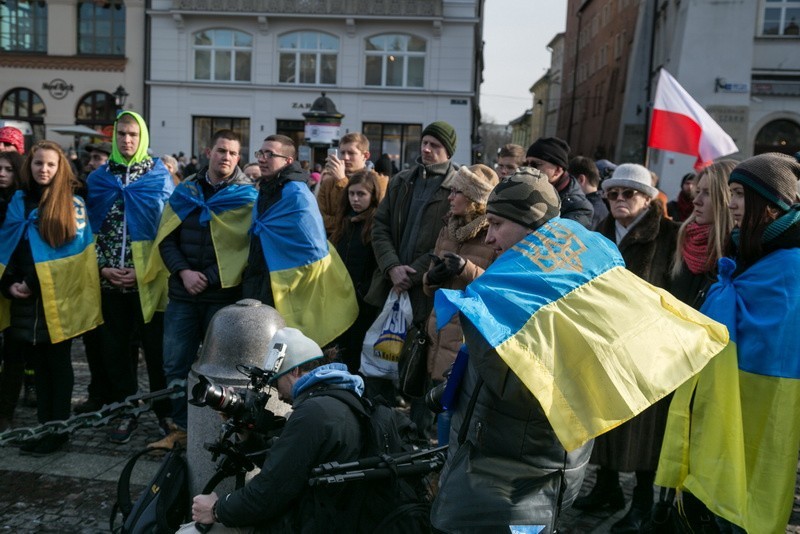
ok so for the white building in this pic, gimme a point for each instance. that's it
(255, 66)
(63, 60)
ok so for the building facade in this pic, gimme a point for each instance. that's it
(64, 60)
(256, 66)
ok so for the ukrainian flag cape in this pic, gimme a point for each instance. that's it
(68, 276)
(144, 202)
(229, 212)
(310, 284)
(733, 431)
(594, 343)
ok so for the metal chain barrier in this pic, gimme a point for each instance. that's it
(132, 405)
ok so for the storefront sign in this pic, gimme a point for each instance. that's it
(58, 88)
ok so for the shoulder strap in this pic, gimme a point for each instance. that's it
(349, 398)
(123, 503)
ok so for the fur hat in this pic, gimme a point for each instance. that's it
(526, 197)
(476, 182)
(631, 176)
(550, 149)
(773, 176)
(445, 133)
(299, 350)
(12, 136)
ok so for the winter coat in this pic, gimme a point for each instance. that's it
(320, 429)
(647, 249)
(190, 246)
(469, 244)
(599, 207)
(390, 223)
(329, 197)
(511, 465)
(255, 279)
(574, 204)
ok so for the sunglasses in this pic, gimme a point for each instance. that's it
(626, 194)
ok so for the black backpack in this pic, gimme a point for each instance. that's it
(383, 505)
(163, 505)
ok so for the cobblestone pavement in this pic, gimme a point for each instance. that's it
(73, 491)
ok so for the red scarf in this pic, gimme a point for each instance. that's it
(695, 247)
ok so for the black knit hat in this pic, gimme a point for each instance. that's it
(550, 149)
(445, 133)
(526, 197)
(773, 175)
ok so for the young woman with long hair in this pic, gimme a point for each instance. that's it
(352, 237)
(48, 274)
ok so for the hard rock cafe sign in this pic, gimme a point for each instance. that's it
(58, 88)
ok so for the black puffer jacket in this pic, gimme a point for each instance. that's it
(27, 315)
(190, 247)
(255, 280)
(574, 204)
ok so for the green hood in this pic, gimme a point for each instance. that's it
(144, 141)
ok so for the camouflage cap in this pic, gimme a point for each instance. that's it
(526, 197)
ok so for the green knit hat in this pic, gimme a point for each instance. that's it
(526, 197)
(773, 175)
(445, 133)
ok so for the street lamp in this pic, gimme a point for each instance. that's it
(120, 96)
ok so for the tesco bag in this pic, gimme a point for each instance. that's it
(384, 340)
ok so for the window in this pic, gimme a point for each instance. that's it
(24, 105)
(395, 61)
(23, 26)
(101, 27)
(782, 135)
(223, 55)
(204, 127)
(398, 141)
(308, 58)
(97, 110)
(781, 17)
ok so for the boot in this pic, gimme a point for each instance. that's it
(606, 493)
(641, 505)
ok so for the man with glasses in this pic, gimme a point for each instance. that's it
(203, 240)
(550, 155)
(510, 157)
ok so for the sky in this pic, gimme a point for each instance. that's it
(516, 33)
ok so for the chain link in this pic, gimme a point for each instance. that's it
(132, 405)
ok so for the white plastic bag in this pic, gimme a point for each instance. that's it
(384, 339)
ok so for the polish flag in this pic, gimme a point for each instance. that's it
(680, 124)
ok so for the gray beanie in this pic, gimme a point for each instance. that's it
(526, 197)
(476, 182)
(773, 176)
(299, 350)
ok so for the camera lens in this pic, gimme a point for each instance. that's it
(433, 398)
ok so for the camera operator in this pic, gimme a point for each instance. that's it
(320, 429)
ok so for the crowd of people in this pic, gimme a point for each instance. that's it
(137, 254)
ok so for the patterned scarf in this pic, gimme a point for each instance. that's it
(695, 247)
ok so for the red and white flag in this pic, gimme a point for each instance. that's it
(680, 124)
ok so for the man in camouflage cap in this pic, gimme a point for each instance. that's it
(519, 205)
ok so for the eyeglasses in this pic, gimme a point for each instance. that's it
(626, 194)
(268, 154)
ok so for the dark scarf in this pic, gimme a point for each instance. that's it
(775, 229)
(695, 247)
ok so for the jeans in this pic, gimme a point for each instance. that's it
(185, 325)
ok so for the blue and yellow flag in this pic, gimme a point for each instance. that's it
(594, 343)
(229, 213)
(310, 284)
(144, 201)
(733, 431)
(68, 275)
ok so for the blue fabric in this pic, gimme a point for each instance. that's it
(188, 196)
(17, 226)
(144, 199)
(291, 231)
(516, 286)
(761, 308)
(334, 374)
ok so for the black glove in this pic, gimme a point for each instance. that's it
(455, 263)
(439, 273)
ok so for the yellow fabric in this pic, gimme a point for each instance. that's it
(318, 298)
(592, 366)
(731, 427)
(152, 285)
(229, 231)
(70, 294)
